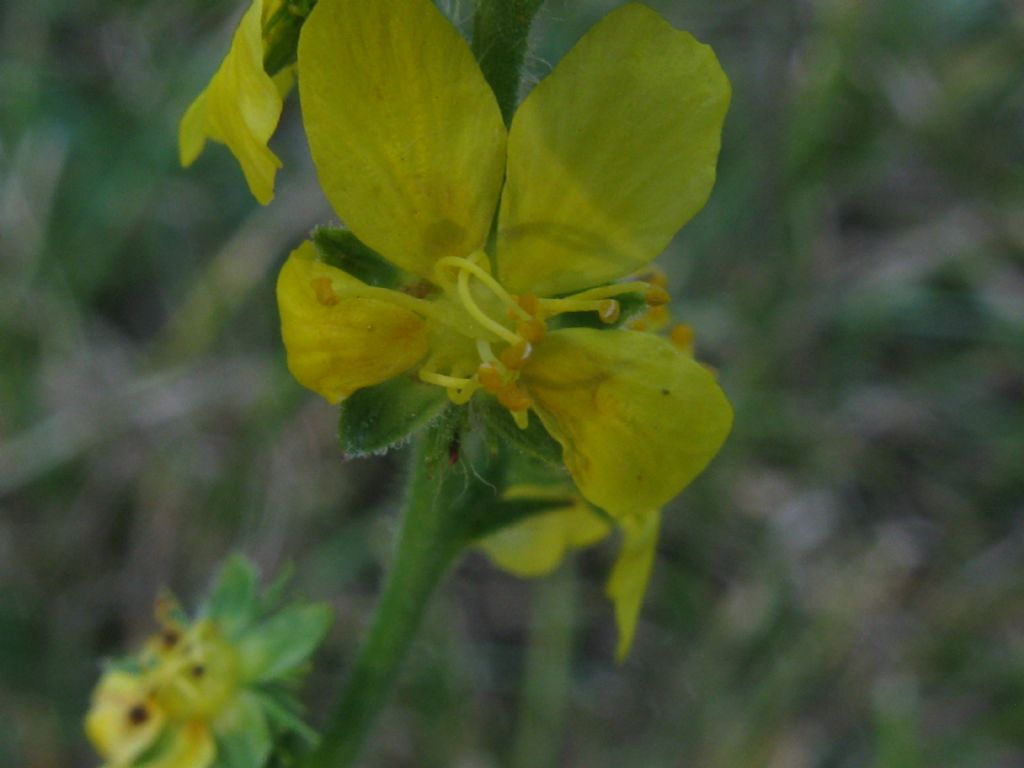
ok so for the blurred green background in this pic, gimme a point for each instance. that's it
(843, 587)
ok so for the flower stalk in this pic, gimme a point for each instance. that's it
(428, 541)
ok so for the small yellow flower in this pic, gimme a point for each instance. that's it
(604, 161)
(241, 106)
(202, 691)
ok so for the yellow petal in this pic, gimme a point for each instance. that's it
(240, 107)
(123, 720)
(535, 546)
(610, 155)
(628, 581)
(637, 419)
(405, 133)
(341, 334)
(192, 746)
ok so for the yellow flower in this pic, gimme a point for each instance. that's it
(241, 106)
(604, 161)
(218, 682)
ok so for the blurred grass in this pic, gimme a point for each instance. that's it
(844, 586)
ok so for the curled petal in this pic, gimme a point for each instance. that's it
(240, 107)
(536, 545)
(341, 334)
(405, 133)
(637, 420)
(610, 155)
(632, 572)
(123, 721)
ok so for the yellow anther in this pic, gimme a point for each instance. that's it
(529, 303)
(490, 378)
(521, 418)
(325, 294)
(682, 337)
(515, 356)
(532, 330)
(609, 310)
(514, 398)
(656, 296)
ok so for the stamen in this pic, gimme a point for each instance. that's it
(478, 314)
(532, 330)
(515, 356)
(483, 348)
(490, 378)
(521, 418)
(657, 296)
(514, 398)
(441, 380)
(465, 265)
(682, 337)
(609, 311)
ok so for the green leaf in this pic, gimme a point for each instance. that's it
(243, 736)
(377, 418)
(284, 713)
(279, 645)
(234, 598)
(534, 441)
(340, 248)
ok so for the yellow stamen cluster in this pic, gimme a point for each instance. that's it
(520, 330)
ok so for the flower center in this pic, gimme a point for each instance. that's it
(504, 329)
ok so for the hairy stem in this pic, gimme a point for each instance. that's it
(429, 539)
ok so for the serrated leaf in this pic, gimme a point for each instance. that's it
(280, 645)
(234, 598)
(340, 248)
(377, 418)
(243, 736)
(534, 441)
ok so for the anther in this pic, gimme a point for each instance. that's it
(609, 310)
(532, 330)
(490, 378)
(529, 303)
(681, 337)
(515, 356)
(514, 398)
(325, 294)
(656, 296)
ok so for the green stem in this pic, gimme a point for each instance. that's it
(500, 32)
(428, 541)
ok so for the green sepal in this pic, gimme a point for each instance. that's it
(234, 601)
(339, 248)
(279, 646)
(284, 713)
(281, 34)
(630, 305)
(534, 441)
(243, 735)
(377, 418)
